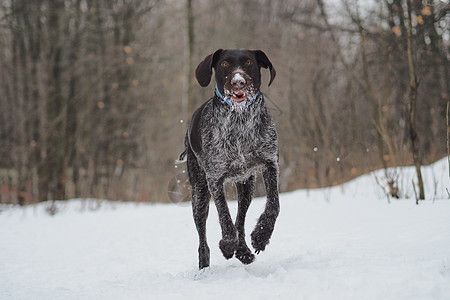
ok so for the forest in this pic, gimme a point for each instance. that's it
(95, 95)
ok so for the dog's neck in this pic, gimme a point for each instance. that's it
(228, 101)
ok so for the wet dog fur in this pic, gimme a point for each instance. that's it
(231, 137)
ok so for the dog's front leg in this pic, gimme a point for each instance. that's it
(245, 193)
(266, 222)
(200, 205)
(229, 242)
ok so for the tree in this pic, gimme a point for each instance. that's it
(412, 105)
(90, 89)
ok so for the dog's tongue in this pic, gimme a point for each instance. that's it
(239, 96)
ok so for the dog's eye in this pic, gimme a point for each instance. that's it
(225, 64)
(248, 63)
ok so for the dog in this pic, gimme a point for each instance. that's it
(231, 137)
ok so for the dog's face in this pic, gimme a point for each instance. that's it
(237, 73)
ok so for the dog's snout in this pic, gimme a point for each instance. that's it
(238, 81)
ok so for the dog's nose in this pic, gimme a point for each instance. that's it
(238, 81)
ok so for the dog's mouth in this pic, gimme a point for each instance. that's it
(239, 90)
(239, 96)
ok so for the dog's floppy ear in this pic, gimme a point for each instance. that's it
(203, 72)
(264, 62)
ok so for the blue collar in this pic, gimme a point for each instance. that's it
(227, 99)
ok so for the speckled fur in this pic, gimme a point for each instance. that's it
(224, 144)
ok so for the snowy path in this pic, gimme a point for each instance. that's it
(336, 243)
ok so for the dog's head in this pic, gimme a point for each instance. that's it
(237, 72)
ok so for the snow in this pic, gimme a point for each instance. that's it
(344, 242)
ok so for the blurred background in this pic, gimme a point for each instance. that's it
(95, 95)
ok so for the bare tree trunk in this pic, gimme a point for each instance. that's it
(35, 44)
(448, 139)
(374, 107)
(56, 105)
(70, 152)
(21, 97)
(412, 106)
(188, 105)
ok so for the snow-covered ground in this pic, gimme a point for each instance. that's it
(344, 242)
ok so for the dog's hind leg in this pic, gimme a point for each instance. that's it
(229, 242)
(266, 222)
(245, 193)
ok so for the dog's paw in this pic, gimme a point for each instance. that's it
(261, 234)
(228, 247)
(203, 257)
(203, 264)
(245, 255)
(260, 239)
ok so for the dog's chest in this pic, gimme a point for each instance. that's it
(237, 135)
(235, 144)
